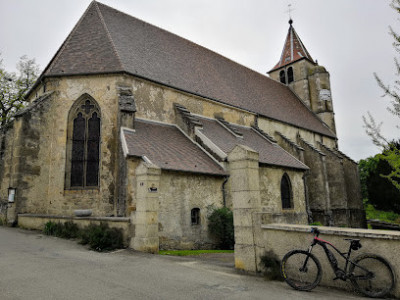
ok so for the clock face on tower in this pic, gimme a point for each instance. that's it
(325, 95)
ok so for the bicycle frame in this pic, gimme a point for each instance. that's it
(340, 273)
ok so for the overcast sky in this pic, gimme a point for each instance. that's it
(349, 38)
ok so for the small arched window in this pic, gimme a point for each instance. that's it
(195, 216)
(286, 192)
(282, 76)
(83, 145)
(290, 75)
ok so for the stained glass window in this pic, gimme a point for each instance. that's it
(84, 135)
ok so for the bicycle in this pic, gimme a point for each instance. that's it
(370, 274)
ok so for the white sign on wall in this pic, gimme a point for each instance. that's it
(324, 95)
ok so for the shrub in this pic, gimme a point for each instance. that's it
(384, 216)
(271, 265)
(52, 228)
(98, 237)
(317, 223)
(68, 230)
(102, 237)
(220, 228)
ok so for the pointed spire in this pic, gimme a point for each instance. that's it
(293, 49)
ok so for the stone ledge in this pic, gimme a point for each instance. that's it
(109, 219)
(353, 232)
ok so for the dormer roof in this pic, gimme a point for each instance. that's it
(293, 49)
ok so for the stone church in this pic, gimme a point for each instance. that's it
(130, 121)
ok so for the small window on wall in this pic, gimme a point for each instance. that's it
(195, 216)
(286, 192)
(282, 76)
(290, 75)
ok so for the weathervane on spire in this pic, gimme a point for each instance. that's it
(289, 11)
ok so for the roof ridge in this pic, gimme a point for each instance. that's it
(185, 39)
(108, 33)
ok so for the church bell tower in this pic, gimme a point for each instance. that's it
(309, 81)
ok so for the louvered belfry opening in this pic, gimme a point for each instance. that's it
(290, 75)
(85, 144)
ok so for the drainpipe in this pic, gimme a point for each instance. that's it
(224, 190)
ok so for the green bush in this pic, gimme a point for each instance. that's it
(52, 228)
(68, 230)
(220, 228)
(98, 237)
(271, 265)
(102, 237)
(317, 223)
(384, 216)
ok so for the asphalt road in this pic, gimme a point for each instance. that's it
(35, 266)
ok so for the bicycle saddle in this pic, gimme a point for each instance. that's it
(354, 243)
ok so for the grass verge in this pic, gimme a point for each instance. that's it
(385, 216)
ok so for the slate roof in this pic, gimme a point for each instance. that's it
(167, 147)
(293, 49)
(108, 41)
(269, 153)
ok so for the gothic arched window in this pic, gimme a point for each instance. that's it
(83, 145)
(290, 77)
(286, 192)
(282, 76)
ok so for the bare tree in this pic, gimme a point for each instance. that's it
(390, 153)
(13, 88)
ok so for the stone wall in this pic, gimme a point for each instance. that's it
(356, 215)
(36, 163)
(337, 188)
(292, 132)
(281, 238)
(173, 201)
(309, 81)
(177, 200)
(270, 193)
(317, 186)
(156, 102)
(37, 222)
(3, 212)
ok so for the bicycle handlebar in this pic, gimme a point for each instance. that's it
(315, 231)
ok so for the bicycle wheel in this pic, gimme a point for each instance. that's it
(377, 281)
(297, 274)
